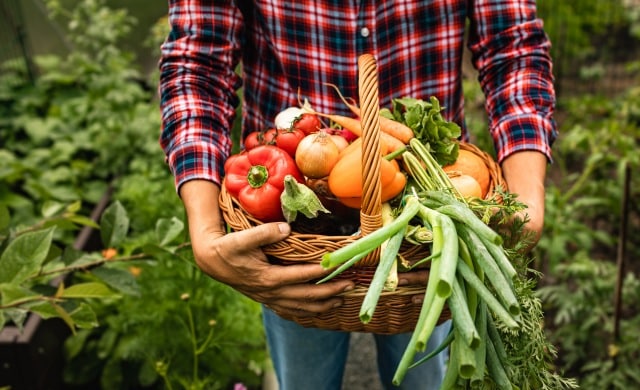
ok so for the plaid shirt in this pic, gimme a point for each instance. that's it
(291, 49)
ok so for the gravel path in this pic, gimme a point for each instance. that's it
(361, 371)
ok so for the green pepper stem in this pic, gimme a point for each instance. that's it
(257, 176)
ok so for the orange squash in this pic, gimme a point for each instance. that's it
(345, 179)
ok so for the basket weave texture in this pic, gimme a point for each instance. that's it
(395, 313)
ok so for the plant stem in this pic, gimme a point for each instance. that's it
(194, 342)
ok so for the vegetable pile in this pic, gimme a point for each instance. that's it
(428, 185)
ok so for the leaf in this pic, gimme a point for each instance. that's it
(74, 345)
(168, 229)
(11, 293)
(156, 250)
(121, 280)
(51, 208)
(114, 224)
(66, 317)
(87, 290)
(44, 310)
(5, 217)
(16, 316)
(84, 221)
(84, 317)
(24, 255)
(74, 207)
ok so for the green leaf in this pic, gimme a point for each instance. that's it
(88, 290)
(114, 224)
(168, 229)
(84, 317)
(5, 217)
(74, 207)
(45, 310)
(120, 279)
(16, 316)
(84, 221)
(66, 317)
(74, 345)
(156, 250)
(24, 255)
(51, 208)
(10, 293)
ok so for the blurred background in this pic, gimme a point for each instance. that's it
(79, 125)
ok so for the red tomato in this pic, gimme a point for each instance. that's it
(307, 123)
(288, 140)
(252, 140)
(256, 138)
(269, 136)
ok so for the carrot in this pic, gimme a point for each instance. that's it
(394, 128)
(392, 143)
(388, 145)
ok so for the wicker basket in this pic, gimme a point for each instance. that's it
(395, 313)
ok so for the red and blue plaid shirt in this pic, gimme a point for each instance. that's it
(293, 49)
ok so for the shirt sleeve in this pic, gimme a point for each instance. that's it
(511, 52)
(198, 87)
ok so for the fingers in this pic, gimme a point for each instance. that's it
(415, 277)
(261, 235)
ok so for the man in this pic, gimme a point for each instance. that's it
(292, 49)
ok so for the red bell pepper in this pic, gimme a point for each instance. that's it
(256, 179)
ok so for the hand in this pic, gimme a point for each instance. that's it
(525, 173)
(237, 259)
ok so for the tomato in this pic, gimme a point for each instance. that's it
(269, 137)
(307, 123)
(288, 140)
(252, 140)
(256, 138)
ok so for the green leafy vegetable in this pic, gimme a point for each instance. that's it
(429, 126)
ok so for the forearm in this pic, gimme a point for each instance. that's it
(200, 199)
(525, 174)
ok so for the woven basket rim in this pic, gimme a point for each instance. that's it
(238, 219)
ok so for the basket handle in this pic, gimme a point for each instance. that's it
(371, 209)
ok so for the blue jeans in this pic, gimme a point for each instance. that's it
(315, 359)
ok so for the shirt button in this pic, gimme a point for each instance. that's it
(364, 32)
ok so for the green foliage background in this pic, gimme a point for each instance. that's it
(90, 122)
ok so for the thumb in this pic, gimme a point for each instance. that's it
(264, 234)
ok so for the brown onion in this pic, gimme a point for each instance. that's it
(316, 155)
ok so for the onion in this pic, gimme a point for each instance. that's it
(467, 185)
(316, 155)
(340, 141)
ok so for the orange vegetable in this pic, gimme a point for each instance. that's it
(469, 163)
(355, 126)
(466, 185)
(345, 179)
(388, 126)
